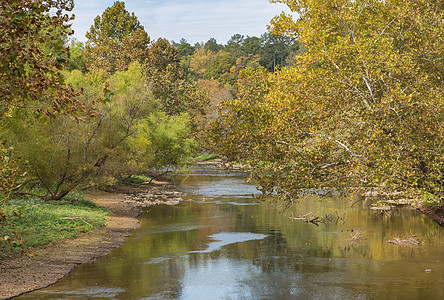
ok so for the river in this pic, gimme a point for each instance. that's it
(221, 243)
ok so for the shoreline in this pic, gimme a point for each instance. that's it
(23, 274)
(436, 212)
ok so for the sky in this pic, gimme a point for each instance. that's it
(193, 20)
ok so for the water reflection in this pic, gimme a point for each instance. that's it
(221, 244)
(226, 238)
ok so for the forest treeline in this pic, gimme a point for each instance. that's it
(347, 97)
(76, 115)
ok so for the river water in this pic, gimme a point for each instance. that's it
(220, 243)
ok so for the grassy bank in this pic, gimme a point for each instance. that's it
(27, 222)
(206, 157)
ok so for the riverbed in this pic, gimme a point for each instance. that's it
(221, 243)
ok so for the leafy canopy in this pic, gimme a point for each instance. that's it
(32, 37)
(361, 108)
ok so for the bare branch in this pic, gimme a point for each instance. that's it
(337, 142)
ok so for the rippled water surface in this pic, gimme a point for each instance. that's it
(221, 243)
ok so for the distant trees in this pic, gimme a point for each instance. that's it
(76, 57)
(184, 48)
(215, 61)
(362, 108)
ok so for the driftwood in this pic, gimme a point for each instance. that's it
(410, 242)
(308, 219)
(355, 237)
(311, 218)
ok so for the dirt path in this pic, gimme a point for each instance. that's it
(24, 274)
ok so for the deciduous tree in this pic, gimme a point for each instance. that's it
(362, 107)
(115, 40)
(32, 35)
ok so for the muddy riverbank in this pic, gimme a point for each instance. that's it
(23, 274)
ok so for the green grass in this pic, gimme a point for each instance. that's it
(32, 222)
(206, 157)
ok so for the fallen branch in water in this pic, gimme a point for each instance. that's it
(410, 242)
(303, 217)
(306, 218)
(355, 237)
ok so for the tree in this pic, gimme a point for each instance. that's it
(220, 65)
(212, 45)
(234, 44)
(251, 45)
(362, 108)
(163, 55)
(275, 50)
(115, 40)
(62, 154)
(164, 72)
(32, 35)
(33, 53)
(184, 48)
(76, 57)
(168, 141)
(200, 61)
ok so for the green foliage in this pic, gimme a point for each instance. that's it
(168, 143)
(63, 154)
(76, 57)
(174, 93)
(212, 45)
(275, 51)
(184, 48)
(137, 179)
(429, 199)
(219, 65)
(224, 62)
(129, 135)
(234, 44)
(206, 157)
(10, 173)
(115, 40)
(361, 108)
(163, 71)
(33, 222)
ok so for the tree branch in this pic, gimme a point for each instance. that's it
(299, 152)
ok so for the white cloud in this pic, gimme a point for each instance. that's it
(194, 20)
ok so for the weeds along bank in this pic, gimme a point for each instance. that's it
(28, 222)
